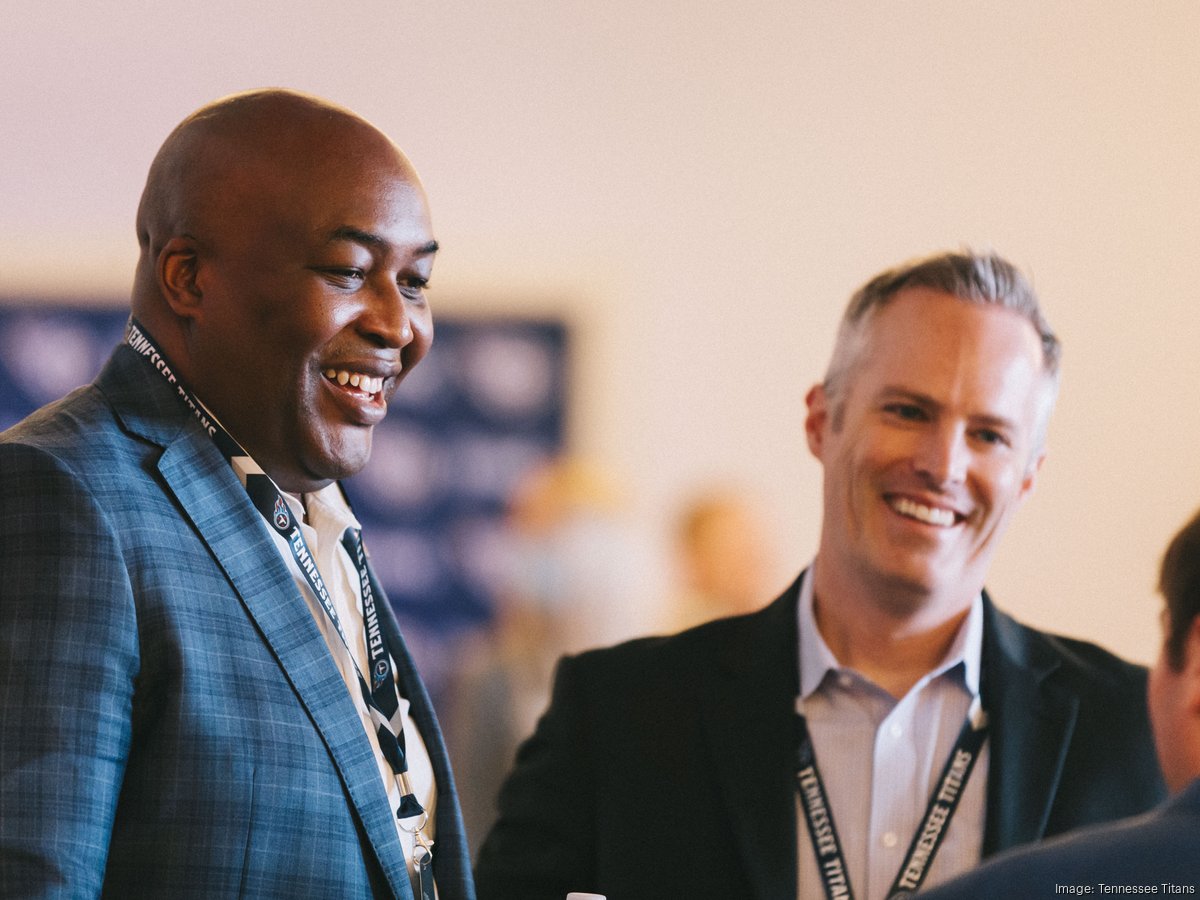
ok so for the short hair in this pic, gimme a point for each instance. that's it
(982, 278)
(1179, 584)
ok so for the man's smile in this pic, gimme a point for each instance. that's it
(362, 396)
(367, 384)
(939, 516)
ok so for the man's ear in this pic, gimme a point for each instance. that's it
(176, 269)
(817, 419)
(1031, 473)
(1191, 667)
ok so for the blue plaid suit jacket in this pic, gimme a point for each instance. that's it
(173, 724)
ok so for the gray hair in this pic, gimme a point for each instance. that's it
(981, 278)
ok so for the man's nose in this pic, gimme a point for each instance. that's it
(385, 318)
(942, 454)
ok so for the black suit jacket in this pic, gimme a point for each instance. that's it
(1155, 849)
(664, 767)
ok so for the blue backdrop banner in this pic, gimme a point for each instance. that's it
(486, 406)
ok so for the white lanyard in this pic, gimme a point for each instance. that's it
(928, 838)
(382, 697)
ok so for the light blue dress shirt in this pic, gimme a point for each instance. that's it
(880, 757)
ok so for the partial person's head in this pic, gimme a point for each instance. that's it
(1174, 691)
(724, 552)
(931, 424)
(285, 249)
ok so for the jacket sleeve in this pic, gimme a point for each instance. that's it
(68, 663)
(543, 844)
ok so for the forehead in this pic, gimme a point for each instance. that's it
(375, 206)
(342, 176)
(928, 341)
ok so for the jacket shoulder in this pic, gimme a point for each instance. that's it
(91, 430)
(1086, 667)
(739, 643)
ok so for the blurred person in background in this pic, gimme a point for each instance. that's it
(566, 567)
(1155, 852)
(882, 725)
(723, 557)
(205, 692)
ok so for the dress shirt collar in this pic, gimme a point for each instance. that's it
(328, 504)
(326, 508)
(817, 660)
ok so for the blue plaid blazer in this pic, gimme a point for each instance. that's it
(171, 721)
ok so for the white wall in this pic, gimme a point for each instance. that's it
(700, 185)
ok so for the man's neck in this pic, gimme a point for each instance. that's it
(894, 641)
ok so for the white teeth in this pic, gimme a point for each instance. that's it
(922, 513)
(367, 383)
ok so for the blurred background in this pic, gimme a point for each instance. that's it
(652, 213)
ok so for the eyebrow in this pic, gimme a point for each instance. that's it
(895, 390)
(370, 239)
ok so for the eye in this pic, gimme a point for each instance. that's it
(906, 412)
(343, 276)
(992, 437)
(414, 288)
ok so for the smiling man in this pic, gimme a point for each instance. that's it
(881, 726)
(205, 692)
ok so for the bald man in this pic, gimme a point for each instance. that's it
(204, 691)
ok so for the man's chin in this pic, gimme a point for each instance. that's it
(333, 462)
(910, 584)
(915, 585)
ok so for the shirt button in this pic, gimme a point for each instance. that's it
(845, 681)
(889, 839)
(896, 729)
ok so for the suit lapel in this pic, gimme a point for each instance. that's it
(749, 726)
(749, 722)
(219, 509)
(1031, 727)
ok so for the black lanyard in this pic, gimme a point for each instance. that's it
(382, 696)
(928, 838)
